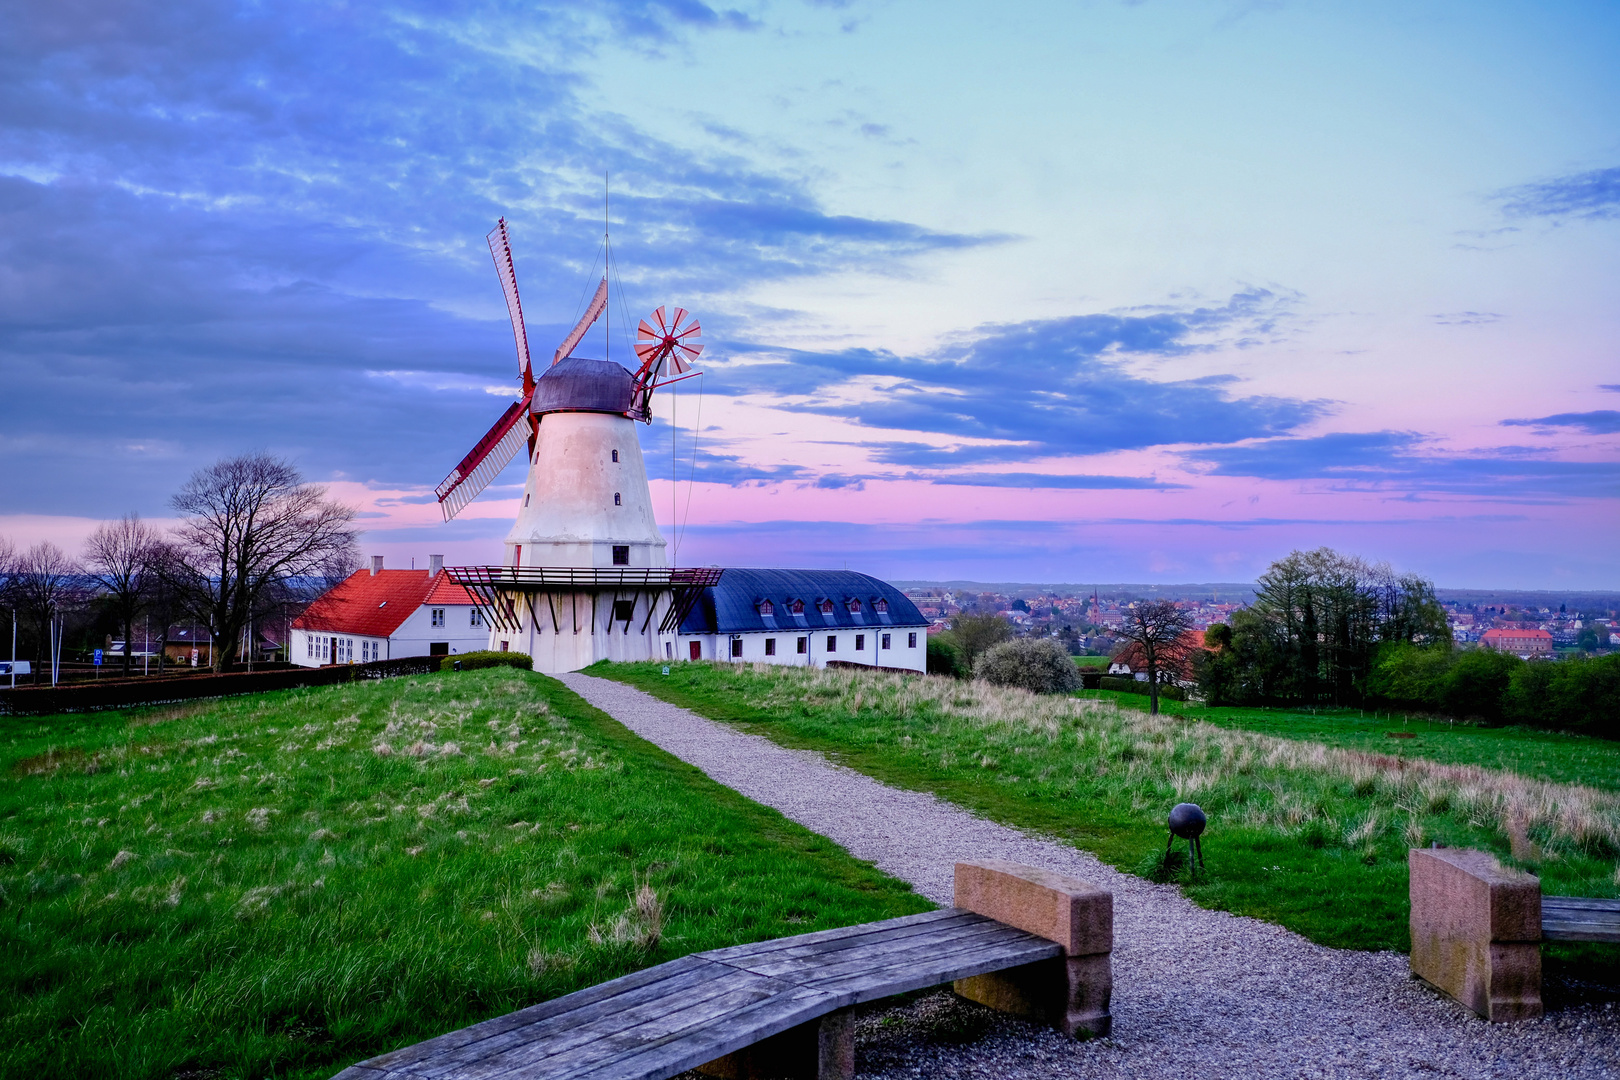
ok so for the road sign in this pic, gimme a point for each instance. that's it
(16, 667)
(98, 658)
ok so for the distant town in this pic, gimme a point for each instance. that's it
(1085, 618)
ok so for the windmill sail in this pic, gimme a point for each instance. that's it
(509, 435)
(592, 313)
(500, 248)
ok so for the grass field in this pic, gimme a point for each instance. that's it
(1302, 834)
(1535, 753)
(282, 884)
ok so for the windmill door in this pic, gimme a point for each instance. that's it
(695, 649)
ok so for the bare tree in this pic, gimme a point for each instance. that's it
(41, 586)
(1153, 630)
(251, 523)
(8, 567)
(118, 559)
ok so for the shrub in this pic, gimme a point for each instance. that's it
(472, 661)
(944, 658)
(1123, 685)
(1041, 666)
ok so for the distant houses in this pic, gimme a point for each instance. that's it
(1520, 642)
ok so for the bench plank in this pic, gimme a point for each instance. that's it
(1579, 918)
(655, 1023)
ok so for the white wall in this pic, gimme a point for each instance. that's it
(565, 641)
(416, 633)
(568, 516)
(898, 655)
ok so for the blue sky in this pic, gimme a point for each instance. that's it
(1149, 291)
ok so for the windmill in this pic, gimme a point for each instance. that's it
(666, 348)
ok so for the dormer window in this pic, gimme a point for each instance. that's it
(825, 607)
(796, 607)
(854, 605)
(881, 606)
(765, 607)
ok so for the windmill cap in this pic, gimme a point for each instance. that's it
(578, 385)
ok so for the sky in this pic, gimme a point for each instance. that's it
(1153, 291)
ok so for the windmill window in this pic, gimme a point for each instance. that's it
(911, 641)
(525, 500)
(618, 500)
(826, 607)
(832, 642)
(765, 607)
(624, 610)
(770, 646)
(880, 606)
(615, 455)
(621, 554)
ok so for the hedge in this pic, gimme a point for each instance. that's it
(1132, 686)
(472, 661)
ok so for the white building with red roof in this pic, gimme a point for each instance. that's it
(387, 614)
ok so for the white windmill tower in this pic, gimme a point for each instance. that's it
(584, 577)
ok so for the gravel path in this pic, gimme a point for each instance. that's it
(1196, 993)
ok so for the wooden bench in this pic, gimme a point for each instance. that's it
(1477, 929)
(782, 1007)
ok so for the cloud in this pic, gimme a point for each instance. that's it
(1051, 480)
(1400, 462)
(215, 222)
(1599, 422)
(1467, 318)
(1592, 195)
(1038, 389)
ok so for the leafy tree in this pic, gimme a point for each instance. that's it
(1154, 627)
(1477, 684)
(1039, 665)
(251, 523)
(973, 634)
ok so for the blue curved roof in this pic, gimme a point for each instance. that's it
(580, 385)
(737, 605)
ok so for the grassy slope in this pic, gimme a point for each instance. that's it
(1322, 852)
(1542, 755)
(316, 876)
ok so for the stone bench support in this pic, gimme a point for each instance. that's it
(1476, 931)
(1070, 992)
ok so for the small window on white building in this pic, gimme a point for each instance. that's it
(884, 641)
(770, 646)
(736, 648)
(309, 645)
(475, 617)
(436, 616)
(621, 554)
(860, 642)
(832, 642)
(802, 646)
(911, 641)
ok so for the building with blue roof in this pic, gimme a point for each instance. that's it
(803, 617)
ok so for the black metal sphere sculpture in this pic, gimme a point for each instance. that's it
(1187, 821)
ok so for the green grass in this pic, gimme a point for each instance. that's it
(1090, 663)
(1541, 755)
(283, 884)
(1300, 834)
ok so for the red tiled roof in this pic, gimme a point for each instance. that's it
(374, 605)
(1516, 635)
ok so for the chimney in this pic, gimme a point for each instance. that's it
(435, 564)
(376, 565)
